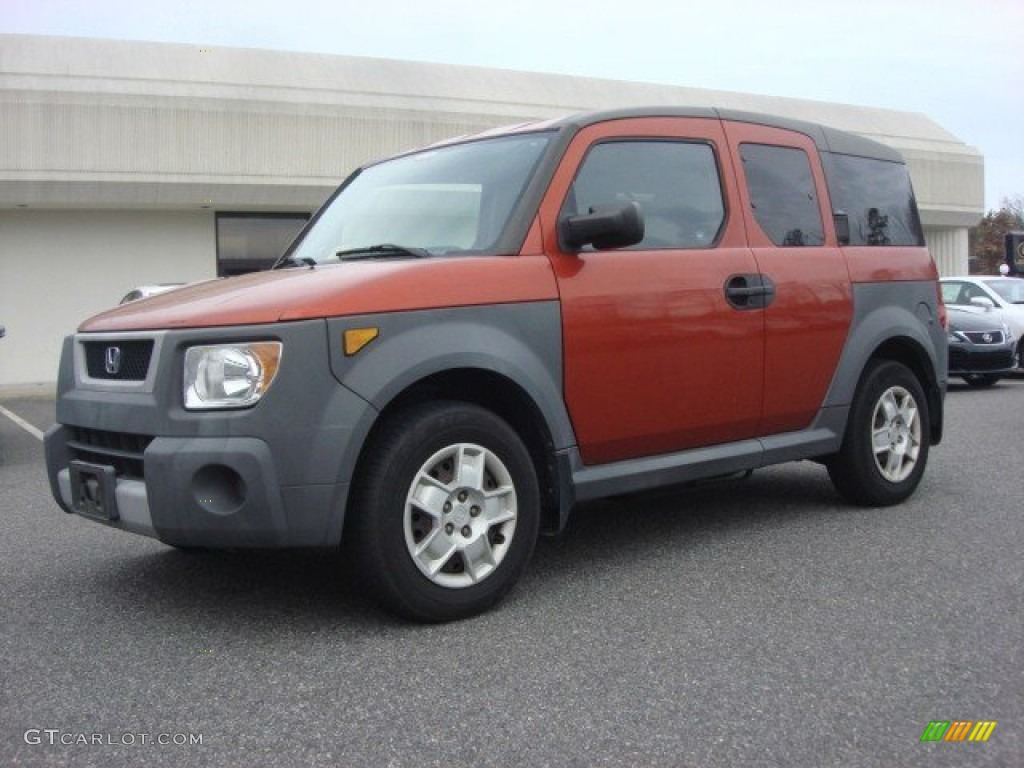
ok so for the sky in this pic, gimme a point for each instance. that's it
(961, 62)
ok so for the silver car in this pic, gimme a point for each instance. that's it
(1005, 294)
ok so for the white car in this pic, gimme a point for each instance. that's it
(1005, 294)
(145, 291)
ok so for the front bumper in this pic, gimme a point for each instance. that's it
(208, 492)
(274, 475)
(968, 359)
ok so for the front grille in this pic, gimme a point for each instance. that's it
(132, 359)
(121, 450)
(978, 337)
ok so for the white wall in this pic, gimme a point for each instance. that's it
(58, 267)
(948, 246)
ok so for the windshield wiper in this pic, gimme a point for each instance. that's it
(294, 261)
(383, 250)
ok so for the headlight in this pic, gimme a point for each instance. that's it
(952, 338)
(229, 375)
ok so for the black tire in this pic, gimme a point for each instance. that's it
(385, 530)
(857, 471)
(981, 380)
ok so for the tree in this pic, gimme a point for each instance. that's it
(987, 240)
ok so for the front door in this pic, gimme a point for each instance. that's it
(657, 358)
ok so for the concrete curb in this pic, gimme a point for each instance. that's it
(41, 391)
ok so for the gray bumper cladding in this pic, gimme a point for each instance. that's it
(208, 492)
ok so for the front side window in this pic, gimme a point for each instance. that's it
(782, 194)
(451, 199)
(877, 197)
(675, 183)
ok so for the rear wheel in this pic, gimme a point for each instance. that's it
(446, 512)
(885, 449)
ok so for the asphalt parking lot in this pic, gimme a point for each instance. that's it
(759, 622)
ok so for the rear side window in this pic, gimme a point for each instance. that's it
(675, 183)
(782, 194)
(877, 197)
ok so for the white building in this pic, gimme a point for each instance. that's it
(125, 163)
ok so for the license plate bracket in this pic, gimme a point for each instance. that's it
(92, 490)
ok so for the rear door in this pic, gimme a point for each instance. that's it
(656, 358)
(788, 218)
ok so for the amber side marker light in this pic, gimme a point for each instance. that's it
(357, 338)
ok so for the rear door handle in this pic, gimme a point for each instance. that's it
(749, 291)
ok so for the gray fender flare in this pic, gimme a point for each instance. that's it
(521, 342)
(876, 325)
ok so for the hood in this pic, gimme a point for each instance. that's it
(354, 288)
(974, 319)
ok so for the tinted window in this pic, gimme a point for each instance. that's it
(878, 198)
(782, 194)
(675, 184)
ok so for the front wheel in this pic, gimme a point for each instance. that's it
(446, 511)
(885, 448)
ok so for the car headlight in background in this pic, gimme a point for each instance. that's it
(229, 375)
(952, 338)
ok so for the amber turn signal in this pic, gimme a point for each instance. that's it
(357, 338)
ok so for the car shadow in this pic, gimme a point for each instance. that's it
(311, 590)
(685, 517)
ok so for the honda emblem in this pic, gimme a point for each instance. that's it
(112, 360)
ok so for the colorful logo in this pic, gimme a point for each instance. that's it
(958, 730)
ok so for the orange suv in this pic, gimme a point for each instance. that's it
(469, 339)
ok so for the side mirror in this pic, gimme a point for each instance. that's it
(983, 301)
(842, 224)
(606, 226)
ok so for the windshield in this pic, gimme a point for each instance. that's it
(1011, 289)
(447, 200)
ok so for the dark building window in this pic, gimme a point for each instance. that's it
(782, 194)
(248, 242)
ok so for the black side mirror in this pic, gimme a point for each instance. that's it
(606, 226)
(842, 222)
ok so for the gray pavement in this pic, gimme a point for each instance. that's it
(744, 623)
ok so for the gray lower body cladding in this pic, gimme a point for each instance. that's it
(277, 474)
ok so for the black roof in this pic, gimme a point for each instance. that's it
(825, 138)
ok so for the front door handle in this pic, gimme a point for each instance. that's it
(749, 291)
